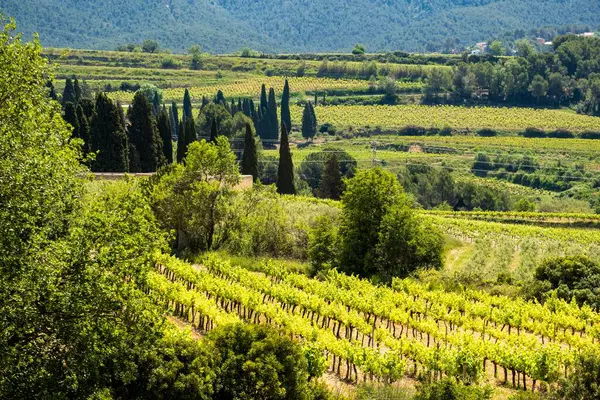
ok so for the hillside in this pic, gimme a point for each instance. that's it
(271, 25)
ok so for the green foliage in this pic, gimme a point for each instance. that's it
(69, 93)
(312, 166)
(309, 122)
(496, 48)
(575, 277)
(331, 186)
(285, 169)
(151, 93)
(192, 200)
(150, 46)
(255, 362)
(144, 136)
(358, 49)
(322, 244)
(286, 117)
(250, 155)
(165, 131)
(218, 114)
(583, 381)
(448, 389)
(109, 139)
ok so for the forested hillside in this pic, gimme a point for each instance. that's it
(271, 25)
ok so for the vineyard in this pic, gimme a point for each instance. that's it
(462, 118)
(368, 332)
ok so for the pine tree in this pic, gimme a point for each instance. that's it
(84, 129)
(108, 137)
(250, 156)
(214, 132)
(77, 90)
(70, 116)
(181, 147)
(164, 130)
(309, 122)
(144, 135)
(286, 117)
(187, 105)
(285, 170)
(69, 92)
(273, 119)
(331, 182)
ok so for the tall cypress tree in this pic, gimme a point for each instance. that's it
(286, 117)
(164, 130)
(77, 90)
(187, 105)
(273, 119)
(331, 182)
(285, 170)
(156, 104)
(264, 103)
(214, 132)
(174, 114)
(181, 147)
(52, 93)
(144, 135)
(70, 116)
(69, 93)
(84, 129)
(309, 122)
(190, 132)
(250, 156)
(108, 137)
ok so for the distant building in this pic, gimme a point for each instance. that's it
(540, 41)
(482, 46)
(587, 34)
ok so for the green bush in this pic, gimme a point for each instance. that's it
(487, 132)
(448, 389)
(573, 277)
(533, 133)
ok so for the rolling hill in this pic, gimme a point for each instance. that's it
(285, 25)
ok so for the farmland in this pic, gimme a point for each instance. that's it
(411, 228)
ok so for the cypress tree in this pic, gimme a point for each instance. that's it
(52, 93)
(174, 114)
(285, 170)
(309, 122)
(181, 147)
(214, 132)
(77, 90)
(233, 108)
(108, 137)
(286, 117)
(143, 134)
(239, 105)
(84, 129)
(164, 130)
(331, 183)
(316, 99)
(205, 101)
(273, 120)
(220, 99)
(190, 132)
(69, 92)
(156, 104)
(250, 156)
(264, 103)
(70, 116)
(187, 105)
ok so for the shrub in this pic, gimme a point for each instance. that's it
(169, 63)
(486, 132)
(561, 134)
(446, 131)
(412, 130)
(582, 383)
(589, 135)
(570, 277)
(448, 389)
(533, 133)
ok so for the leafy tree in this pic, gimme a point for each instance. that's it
(69, 92)
(256, 362)
(250, 156)
(218, 114)
(109, 139)
(194, 49)
(309, 122)
(496, 48)
(191, 199)
(164, 130)
(150, 46)
(286, 117)
(285, 170)
(358, 49)
(322, 244)
(524, 48)
(538, 87)
(331, 185)
(573, 277)
(143, 134)
(583, 381)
